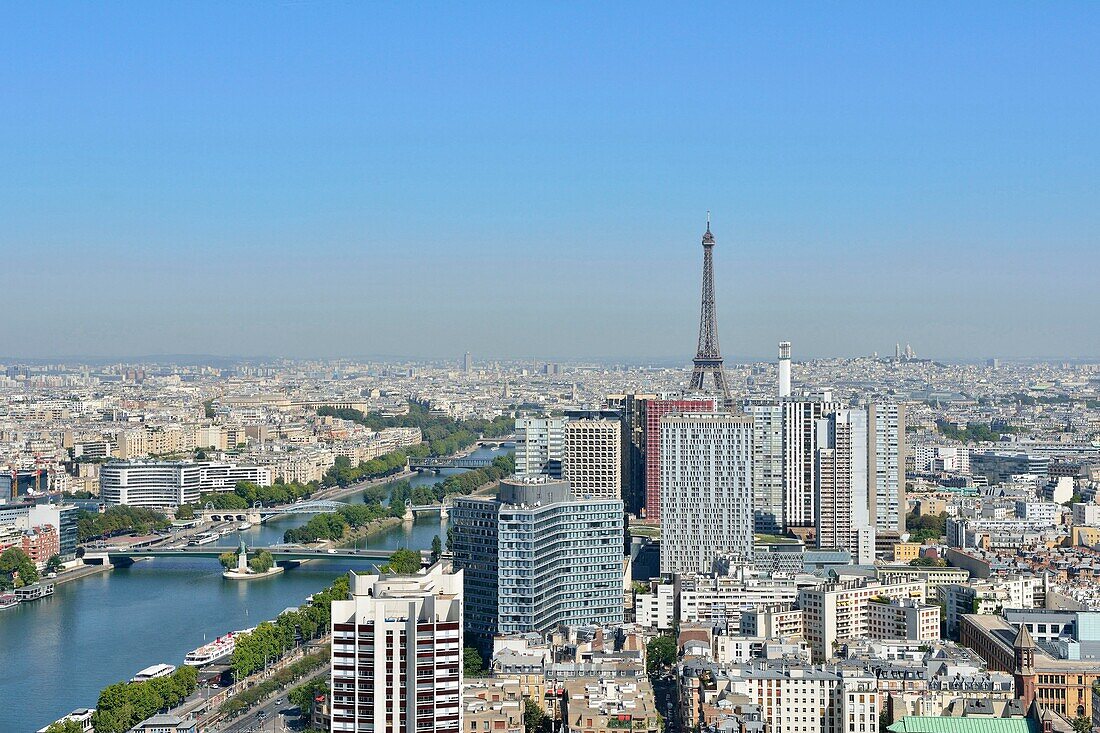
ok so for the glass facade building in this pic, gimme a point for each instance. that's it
(537, 558)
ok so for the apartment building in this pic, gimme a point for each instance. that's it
(842, 517)
(397, 654)
(161, 485)
(720, 600)
(655, 410)
(593, 458)
(537, 557)
(838, 611)
(540, 446)
(991, 596)
(705, 491)
(800, 418)
(601, 705)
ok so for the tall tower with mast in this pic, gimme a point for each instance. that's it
(708, 357)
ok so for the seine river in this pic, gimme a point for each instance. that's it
(58, 653)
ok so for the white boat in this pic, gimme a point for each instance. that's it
(34, 592)
(244, 526)
(203, 539)
(8, 600)
(220, 648)
(149, 673)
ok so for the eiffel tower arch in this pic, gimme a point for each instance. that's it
(708, 356)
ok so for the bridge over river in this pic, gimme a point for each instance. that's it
(258, 513)
(283, 554)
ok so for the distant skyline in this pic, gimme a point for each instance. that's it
(321, 179)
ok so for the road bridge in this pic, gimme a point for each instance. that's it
(411, 510)
(437, 464)
(498, 442)
(257, 513)
(283, 554)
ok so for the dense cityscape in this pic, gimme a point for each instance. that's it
(885, 543)
(549, 367)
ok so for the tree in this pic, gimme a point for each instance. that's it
(261, 562)
(67, 725)
(16, 569)
(928, 562)
(185, 512)
(535, 719)
(303, 695)
(660, 652)
(228, 560)
(472, 663)
(54, 565)
(1082, 724)
(125, 704)
(117, 520)
(925, 526)
(437, 548)
(403, 562)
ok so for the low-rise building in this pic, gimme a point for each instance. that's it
(1063, 685)
(837, 611)
(492, 705)
(988, 596)
(599, 705)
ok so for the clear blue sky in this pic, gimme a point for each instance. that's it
(319, 179)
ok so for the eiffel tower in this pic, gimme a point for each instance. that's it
(708, 357)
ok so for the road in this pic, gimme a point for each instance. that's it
(664, 694)
(277, 718)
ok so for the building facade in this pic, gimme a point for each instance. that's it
(160, 485)
(538, 557)
(841, 517)
(655, 410)
(397, 654)
(705, 490)
(540, 446)
(593, 458)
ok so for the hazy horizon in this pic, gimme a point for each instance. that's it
(309, 179)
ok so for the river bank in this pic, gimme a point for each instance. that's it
(81, 571)
(339, 492)
(61, 651)
(335, 493)
(378, 526)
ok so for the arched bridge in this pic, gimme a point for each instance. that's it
(319, 506)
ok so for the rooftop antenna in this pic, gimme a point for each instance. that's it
(708, 220)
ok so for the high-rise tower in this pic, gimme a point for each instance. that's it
(708, 357)
(784, 368)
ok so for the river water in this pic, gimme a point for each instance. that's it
(56, 654)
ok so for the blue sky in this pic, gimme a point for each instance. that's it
(321, 179)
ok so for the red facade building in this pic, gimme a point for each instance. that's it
(654, 410)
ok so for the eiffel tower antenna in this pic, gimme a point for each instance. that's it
(708, 357)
